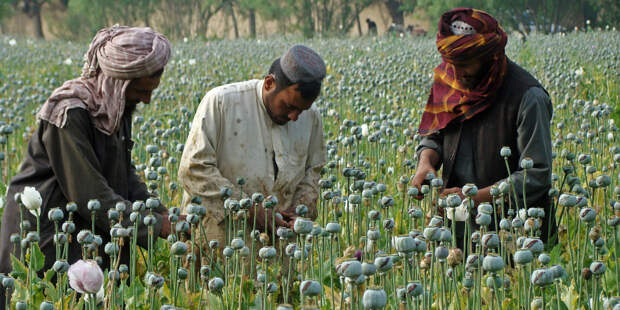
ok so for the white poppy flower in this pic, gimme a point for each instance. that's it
(32, 200)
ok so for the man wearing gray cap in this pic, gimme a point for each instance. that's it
(264, 131)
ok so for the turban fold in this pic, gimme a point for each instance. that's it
(115, 56)
(448, 100)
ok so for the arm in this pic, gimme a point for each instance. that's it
(77, 171)
(307, 192)
(198, 172)
(534, 141)
(429, 158)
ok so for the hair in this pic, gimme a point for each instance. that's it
(308, 90)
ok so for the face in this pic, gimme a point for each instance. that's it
(140, 90)
(284, 105)
(469, 75)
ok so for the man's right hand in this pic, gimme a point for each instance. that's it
(428, 159)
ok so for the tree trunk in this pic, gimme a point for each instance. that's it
(357, 19)
(393, 6)
(234, 19)
(308, 24)
(38, 25)
(252, 20)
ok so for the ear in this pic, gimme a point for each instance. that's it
(270, 83)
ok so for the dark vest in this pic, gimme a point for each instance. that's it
(492, 129)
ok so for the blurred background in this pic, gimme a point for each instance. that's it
(230, 19)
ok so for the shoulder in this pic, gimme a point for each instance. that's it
(536, 99)
(231, 92)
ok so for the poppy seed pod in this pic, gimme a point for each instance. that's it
(92, 205)
(527, 163)
(523, 256)
(493, 263)
(215, 285)
(441, 252)
(71, 207)
(290, 249)
(332, 228)
(436, 221)
(541, 277)
(504, 224)
(384, 263)
(469, 190)
(350, 268)
(373, 234)
(310, 288)
(369, 269)
(534, 244)
(587, 215)
(445, 234)
(557, 271)
(483, 219)
(567, 200)
(303, 226)
(55, 215)
(301, 210)
(436, 182)
(374, 298)
(490, 241)
(178, 248)
(237, 244)
(597, 268)
(432, 233)
(544, 259)
(455, 257)
(485, 208)
(267, 253)
(138, 206)
(60, 266)
(420, 245)
(505, 151)
(258, 198)
(453, 200)
(472, 262)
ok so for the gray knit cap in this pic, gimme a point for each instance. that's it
(301, 64)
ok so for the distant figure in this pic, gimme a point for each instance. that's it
(372, 27)
(411, 29)
(396, 29)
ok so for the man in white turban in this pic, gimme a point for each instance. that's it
(81, 149)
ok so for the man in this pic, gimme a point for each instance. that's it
(481, 101)
(82, 147)
(265, 131)
(372, 27)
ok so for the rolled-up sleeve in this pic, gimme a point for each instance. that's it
(534, 141)
(433, 142)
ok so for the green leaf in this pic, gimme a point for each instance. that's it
(38, 259)
(19, 269)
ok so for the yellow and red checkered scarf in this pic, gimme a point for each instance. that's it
(448, 101)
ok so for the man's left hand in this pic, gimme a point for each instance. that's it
(452, 190)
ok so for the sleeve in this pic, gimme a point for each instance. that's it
(137, 188)
(534, 141)
(198, 172)
(77, 170)
(307, 191)
(433, 142)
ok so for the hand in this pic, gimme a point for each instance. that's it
(165, 225)
(452, 190)
(258, 212)
(420, 176)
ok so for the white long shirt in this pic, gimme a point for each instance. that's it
(233, 136)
